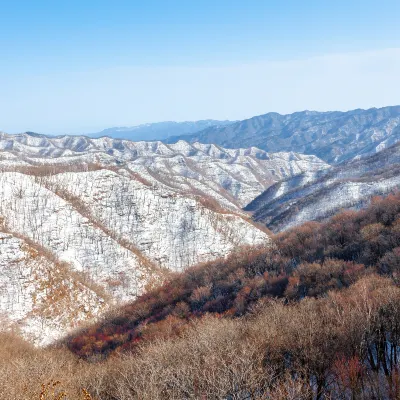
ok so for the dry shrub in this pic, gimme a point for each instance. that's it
(337, 336)
(28, 373)
(310, 349)
(213, 359)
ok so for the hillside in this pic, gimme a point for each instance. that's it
(306, 261)
(118, 217)
(332, 136)
(318, 195)
(120, 232)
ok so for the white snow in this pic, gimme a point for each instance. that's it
(129, 214)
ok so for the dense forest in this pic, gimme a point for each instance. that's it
(314, 316)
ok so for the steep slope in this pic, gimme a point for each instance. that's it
(317, 195)
(158, 130)
(41, 297)
(124, 215)
(332, 136)
(308, 261)
(117, 231)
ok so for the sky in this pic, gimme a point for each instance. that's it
(82, 66)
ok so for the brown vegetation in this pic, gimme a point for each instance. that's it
(341, 346)
(315, 317)
(307, 261)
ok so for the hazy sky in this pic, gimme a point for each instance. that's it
(81, 66)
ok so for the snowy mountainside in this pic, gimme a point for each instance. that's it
(120, 233)
(41, 297)
(318, 195)
(116, 217)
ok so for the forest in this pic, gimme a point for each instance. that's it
(314, 316)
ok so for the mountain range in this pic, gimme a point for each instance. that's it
(158, 130)
(332, 136)
(87, 224)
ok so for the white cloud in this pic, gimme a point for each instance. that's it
(129, 95)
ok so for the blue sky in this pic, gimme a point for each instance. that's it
(81, 66)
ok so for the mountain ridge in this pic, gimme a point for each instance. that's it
(333, 136)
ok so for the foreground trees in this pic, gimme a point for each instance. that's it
(317, 316)
(344, 345)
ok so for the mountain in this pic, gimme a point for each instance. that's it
(318, 195)
(316, 315)
(41, 296)
(332, 136)
(308, 261)
(158, 130)
(107, 219)
(232, 177)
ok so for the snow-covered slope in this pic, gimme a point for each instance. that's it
(119, 232)
(86, 223)
(317, 195)
(41, 297)
(232, 177)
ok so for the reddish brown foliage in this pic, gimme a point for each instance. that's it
(307, 261)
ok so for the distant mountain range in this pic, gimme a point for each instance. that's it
(159, 130)
(332, 136)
